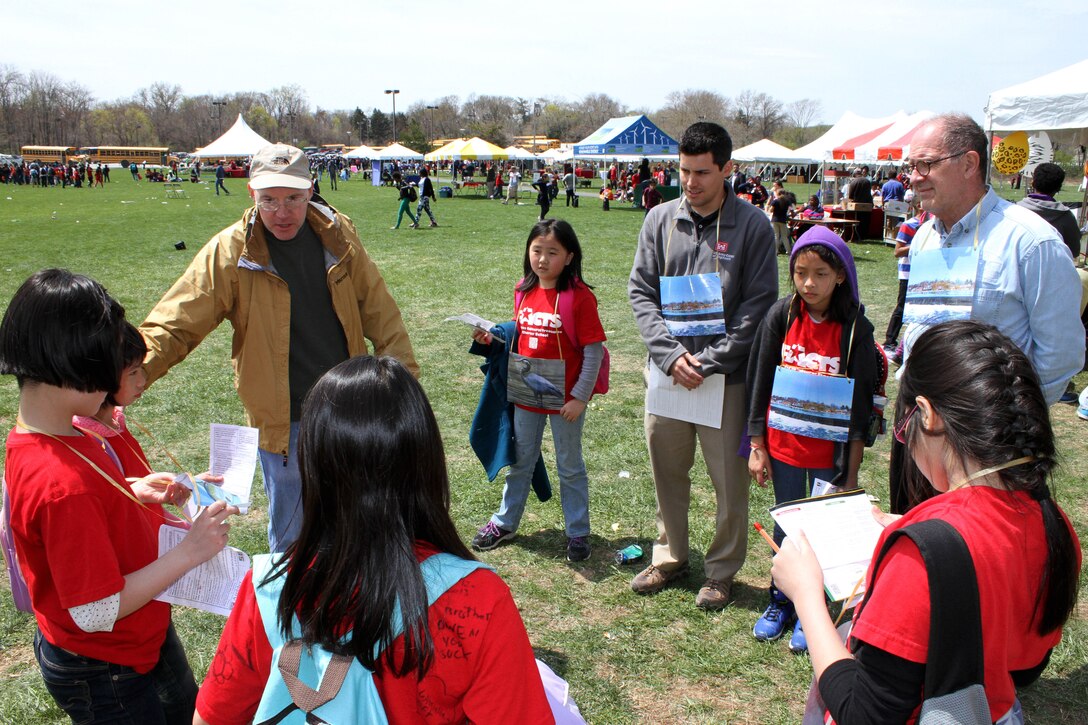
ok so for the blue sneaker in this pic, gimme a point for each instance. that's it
(798, 643)
(775, 619)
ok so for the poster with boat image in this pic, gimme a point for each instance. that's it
(535, 382)
(941, 285)
(807, 404)
(692, 305)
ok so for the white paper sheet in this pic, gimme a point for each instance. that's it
(842, 532)
(234, 457)
(212, 586)
(472, 320)
(702, 406)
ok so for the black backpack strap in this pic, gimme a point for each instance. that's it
(955, 659)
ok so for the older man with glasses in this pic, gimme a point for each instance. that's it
(302, 295)
(1010, 268)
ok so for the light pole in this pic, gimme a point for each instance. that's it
(393, 92)
(219, 113)
(432, 109)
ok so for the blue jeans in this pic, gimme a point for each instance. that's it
(792, 483)
(94, 691)
(283, 484)
(573, 481)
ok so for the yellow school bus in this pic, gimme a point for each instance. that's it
(125, 155)
(59, 154)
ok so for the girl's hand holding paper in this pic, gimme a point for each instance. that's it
(796, 571)
(159, 488)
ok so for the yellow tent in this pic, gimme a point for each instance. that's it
(443, 153)
(475, 149)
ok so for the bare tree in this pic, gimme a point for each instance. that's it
(801, 115)
(683, 108)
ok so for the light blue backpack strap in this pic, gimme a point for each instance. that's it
(358, 700)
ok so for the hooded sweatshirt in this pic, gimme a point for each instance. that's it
(1057, 215)
(860, 355)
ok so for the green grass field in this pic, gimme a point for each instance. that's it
(628, 659)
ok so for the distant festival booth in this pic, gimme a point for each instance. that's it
(239, 142)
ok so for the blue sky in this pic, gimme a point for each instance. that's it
(873, 58)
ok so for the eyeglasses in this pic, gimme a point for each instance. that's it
(924, 166)
(290, 203)
(901, 426)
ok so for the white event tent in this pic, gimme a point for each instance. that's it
(398, 152)
(361, 152)
(1056, 103)
(1053, 102)
(239, 140)
(850, 126)
(893, 145)
(765, 150)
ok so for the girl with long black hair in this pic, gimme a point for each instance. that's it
(378, 580)
(972, 416)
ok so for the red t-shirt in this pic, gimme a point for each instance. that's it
(129, 452)
(540, 330)
(483, 671)
(77, 536)
(815, 347)
(1004, 533)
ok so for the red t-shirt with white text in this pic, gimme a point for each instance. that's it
(540, 330)
(814, 347)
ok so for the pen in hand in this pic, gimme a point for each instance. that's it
(763, 532)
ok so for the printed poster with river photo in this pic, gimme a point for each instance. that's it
(692, 305)
(807, 404)
(941, 285)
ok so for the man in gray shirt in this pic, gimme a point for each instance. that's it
(705, 234)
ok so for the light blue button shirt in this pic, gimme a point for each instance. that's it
(1026, 286)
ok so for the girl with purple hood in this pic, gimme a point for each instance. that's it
(811, 378)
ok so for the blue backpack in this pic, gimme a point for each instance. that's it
(314, 685)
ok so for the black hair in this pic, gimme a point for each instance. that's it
(959, 366)
(959, 133)
(374, 482)
(1047, 178)
(63, 329)
(568, 240)
(842, 297)
(707, 137)
(133, 350)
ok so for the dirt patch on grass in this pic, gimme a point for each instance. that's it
(15, 660)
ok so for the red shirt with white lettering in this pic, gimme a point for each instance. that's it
(815, 347)
(540, 331)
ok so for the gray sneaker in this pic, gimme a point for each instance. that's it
(490, 536)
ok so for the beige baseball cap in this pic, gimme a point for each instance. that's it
(279, 165)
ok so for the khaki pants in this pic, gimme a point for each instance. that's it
(672, 454)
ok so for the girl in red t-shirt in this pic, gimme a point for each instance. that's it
(375, 508)
(550, 381)
(85, 537)
(799, 435)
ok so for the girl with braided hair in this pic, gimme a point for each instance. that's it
(989, 469)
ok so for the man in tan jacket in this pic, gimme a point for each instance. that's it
(302, 296)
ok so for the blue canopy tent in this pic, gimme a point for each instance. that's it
(628, 136)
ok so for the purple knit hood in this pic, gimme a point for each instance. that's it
(827, 238)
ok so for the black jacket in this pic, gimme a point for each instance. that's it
(766, 356)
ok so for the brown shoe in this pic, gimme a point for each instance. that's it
(651, 580)
(713, 595)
